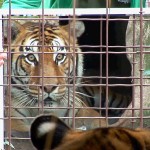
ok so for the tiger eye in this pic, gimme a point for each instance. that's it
(60, 56)
(31, 57)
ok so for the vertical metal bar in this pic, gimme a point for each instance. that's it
(74, 70)
(9, 75)
(141, 63)
(133, 68)
(1, 95)
(69, 66)
(107, 42)
(100, 65)
(42, 60)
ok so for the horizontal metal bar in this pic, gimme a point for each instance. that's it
(78, 11)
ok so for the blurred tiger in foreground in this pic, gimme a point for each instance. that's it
(49, 132)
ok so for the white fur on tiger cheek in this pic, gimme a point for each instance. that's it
(45, 128)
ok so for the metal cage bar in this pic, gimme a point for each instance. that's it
(135, 50)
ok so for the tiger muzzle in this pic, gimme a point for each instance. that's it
(48, 102)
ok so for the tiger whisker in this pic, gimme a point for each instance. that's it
(19, 95)
(22, 102)
(64, 100)
(31, 102)
(84, 81)
(78, 92)
(78, 102)
(84, 94)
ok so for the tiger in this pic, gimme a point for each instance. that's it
(52, 57)
(49, 132)
(57, 61)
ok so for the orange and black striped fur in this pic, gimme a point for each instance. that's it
(95, 96)
(47, 50)
(50, 133)
(42, 50)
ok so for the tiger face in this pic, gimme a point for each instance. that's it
(49, 132)
(44, 59)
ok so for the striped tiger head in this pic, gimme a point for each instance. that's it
(44, 59)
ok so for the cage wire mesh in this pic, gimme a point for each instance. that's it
(90, 67)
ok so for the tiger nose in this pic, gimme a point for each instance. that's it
(49, 88)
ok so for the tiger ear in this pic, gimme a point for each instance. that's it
(15, 26)
(47, 132)
(78, 27)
